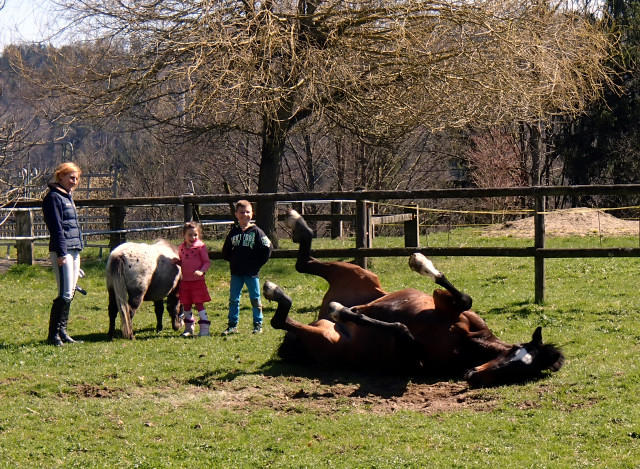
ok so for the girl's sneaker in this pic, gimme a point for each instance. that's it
(188, 328)
(204, 328)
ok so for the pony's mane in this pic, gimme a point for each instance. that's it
(164, 242)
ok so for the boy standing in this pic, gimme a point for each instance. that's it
(247, 249)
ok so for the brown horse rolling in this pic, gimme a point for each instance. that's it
(362, 326)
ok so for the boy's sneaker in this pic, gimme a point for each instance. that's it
(257, 329)
(230, 330)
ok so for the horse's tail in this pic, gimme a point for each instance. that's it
(116, 282)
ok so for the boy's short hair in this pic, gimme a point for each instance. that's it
(242, 204)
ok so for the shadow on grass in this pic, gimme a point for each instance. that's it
(522, 309)
(368, 382)
(141, 335)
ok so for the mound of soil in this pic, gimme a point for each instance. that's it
(580, 221)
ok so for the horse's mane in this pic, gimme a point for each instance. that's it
(553, 357)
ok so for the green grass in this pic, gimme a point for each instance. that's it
(161, 401)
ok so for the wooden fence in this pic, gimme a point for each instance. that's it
(364, 220)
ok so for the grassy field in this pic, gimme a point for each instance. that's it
(162, 401)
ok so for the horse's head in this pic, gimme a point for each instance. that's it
(520, 363)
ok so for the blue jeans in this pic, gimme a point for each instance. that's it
(235, 290)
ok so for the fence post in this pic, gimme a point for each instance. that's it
(188, 212)
(298, 207)
(412, 228)
(24, 228)
(539, 264)
(370, 228)
(336, 225)
(363, 230)
(116, 223)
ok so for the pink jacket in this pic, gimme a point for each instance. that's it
(193, 258)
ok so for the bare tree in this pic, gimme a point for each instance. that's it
(24, 138)
(375, 68)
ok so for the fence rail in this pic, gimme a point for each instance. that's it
(363, 219)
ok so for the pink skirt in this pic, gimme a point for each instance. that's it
(194, 292)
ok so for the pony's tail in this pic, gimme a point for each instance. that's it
(115, 281)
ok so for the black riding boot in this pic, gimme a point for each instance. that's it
(64, 320)
(54, 322)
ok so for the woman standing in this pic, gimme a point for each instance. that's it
(65, 244)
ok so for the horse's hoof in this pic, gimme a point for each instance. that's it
(269, 290)
(292, 218)
(419, 263)
(333, 311)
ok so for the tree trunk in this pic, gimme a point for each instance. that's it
(273, 140)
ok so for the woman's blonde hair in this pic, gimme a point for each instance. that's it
(64, 169)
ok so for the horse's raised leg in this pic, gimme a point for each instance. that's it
(349, 284)
(340, 313)
(406, 349)
(318, 341)
(274, 293)
(457, 301)
(303, 235)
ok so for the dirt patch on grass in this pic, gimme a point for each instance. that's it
(325, 393)
(383, 395)
(6, 264)
(88, 390)
(571, 222)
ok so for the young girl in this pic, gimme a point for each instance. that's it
(194, 260)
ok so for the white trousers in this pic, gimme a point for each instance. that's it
(66, 274)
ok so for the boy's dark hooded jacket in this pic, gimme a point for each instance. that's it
(246, 251)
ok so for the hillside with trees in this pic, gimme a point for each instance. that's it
(309, 96)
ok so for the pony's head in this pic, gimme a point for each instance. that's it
(174, 308)
(520, 363)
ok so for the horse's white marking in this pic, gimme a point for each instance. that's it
(524, 356)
